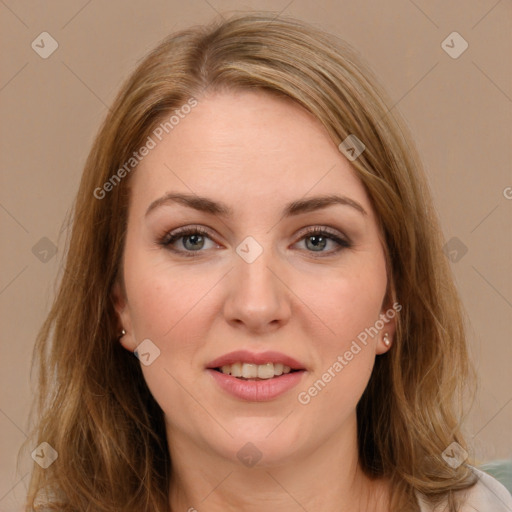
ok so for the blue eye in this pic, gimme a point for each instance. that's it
(193, 240)
(319, 237)
(195, 234)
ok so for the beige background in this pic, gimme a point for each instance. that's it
(458, 109)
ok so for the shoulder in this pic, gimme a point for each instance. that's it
(487, 495)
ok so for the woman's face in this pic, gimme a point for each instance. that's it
(249, 167)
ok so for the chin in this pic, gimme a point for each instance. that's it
(266, 447)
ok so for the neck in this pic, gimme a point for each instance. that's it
(327, 477)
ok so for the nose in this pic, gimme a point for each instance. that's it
(258, 298)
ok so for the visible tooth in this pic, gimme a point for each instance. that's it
(236, 369)
(253, 371)
(278, 369)
(266, 371)
(249, 371)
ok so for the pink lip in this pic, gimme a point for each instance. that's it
(244, 356)
(256, 390)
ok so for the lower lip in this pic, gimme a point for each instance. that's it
(257, 390)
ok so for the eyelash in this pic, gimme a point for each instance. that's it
(170, 238)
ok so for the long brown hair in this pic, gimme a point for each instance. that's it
(94, 407)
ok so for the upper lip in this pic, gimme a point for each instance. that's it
(245, 356)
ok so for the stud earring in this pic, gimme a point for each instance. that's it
(387, 341)
(123, 332)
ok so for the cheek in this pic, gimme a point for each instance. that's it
(350, 305)
(163, 299)
(170, 308)
(332, 393)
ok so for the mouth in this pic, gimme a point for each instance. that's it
(256, 376)
(256, 372)
(256, 389)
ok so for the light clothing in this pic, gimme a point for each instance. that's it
(487, 495)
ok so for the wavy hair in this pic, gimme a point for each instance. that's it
(93, 406)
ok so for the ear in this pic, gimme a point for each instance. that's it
(124, 317)
(388, 316)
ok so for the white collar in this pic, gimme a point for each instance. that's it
(487, 495)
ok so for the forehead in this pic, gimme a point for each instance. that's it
(246, 146)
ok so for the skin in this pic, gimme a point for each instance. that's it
(255, 153)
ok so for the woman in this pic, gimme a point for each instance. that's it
(253, 224)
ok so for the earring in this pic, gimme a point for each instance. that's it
(387, 341)
(123, 332)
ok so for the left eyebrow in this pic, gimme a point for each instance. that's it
(297, 207)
